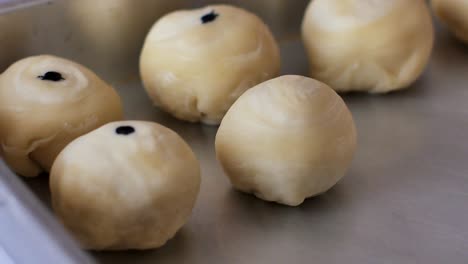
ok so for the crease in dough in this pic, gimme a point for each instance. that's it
(40, 115)
(286, 139)
(214, 62)
(374, 46)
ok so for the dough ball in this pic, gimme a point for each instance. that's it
(368, 45)
(453, 13)
(114, 30)
(196, 63)
(46, 102)
(126, 185)
(287, 139)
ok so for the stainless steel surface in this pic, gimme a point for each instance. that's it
(28, 233)
(12, 5)
(404, 200)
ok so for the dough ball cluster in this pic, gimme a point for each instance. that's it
(286, 139)
(133, 184)
(45, 103)
(196, 63)
(368, 45)
(126, 185)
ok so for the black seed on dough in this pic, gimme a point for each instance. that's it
(51, 76)
(124, 130)
(210, 17)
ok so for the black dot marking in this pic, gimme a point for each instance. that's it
(51, 76)
(125, 130)
(210, 17)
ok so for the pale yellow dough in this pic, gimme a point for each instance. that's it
(196, 71)
(38, 118)
(286, 139)
(453, 13)
(113, 30)
(368, 45)
(125, 191)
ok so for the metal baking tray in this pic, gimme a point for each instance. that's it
(404, 200)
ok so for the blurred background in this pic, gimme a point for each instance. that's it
(107, 35)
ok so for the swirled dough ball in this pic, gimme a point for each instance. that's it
(368, 45)
(126, 185)
(196, 63)
(453, 13)
(286, 139)
(46, 102)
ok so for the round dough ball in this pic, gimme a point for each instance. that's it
(287, 139)
(114, 30)
(368, 45)
(126, 185)
(453, 13)
(196, 63)
(46, 102)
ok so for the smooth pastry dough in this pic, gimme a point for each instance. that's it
(46, 102)
(286, 139)
(196, 63)
(126, 185)
(368, 45)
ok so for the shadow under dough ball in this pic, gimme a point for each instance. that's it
(46, 102)
(196, 63)
(286, 139)
(454, 14)
(368, 45)
(126, 185)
